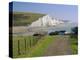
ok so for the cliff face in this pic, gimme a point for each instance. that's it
(46, 21)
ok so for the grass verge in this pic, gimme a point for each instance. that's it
(74, 44)
(41, 46)
(36, 49)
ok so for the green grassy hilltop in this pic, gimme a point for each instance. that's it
(25, 18)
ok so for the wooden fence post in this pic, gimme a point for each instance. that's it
(25, 45)
(19, 48)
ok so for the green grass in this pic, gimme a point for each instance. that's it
(41, 46)
(74, 45)
(25, 18)
(74, 49)
(37, 48)
(20, 50)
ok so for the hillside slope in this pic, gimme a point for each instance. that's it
(25, 18)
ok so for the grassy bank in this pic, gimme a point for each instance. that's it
(25, 18)
(74, 44)
(30, 46)
(40, 47)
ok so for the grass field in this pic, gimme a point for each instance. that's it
(25, 18)
(35, 46)
(74, 44)
(30, 46)
(39, 49)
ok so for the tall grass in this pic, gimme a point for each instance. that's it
(30, 46)
(74, 43)
(22, 44)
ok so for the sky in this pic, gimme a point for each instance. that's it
(59, 11)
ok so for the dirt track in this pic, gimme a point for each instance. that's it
(60, 46)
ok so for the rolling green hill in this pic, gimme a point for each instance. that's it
(25, 18)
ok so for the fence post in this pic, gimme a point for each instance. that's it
(30, 42)
(19, 47)
(25, 45)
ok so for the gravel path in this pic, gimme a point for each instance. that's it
(60, 46)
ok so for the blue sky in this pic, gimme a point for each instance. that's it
(65, 12)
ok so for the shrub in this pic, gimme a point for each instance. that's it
(54, 33)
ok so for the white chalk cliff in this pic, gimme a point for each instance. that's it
(46, 21)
